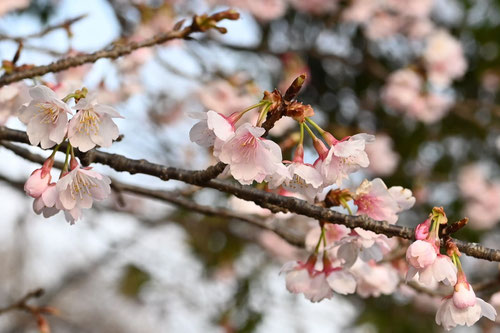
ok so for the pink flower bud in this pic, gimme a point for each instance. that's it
(464, 296)
(422, 230)
(36, 184)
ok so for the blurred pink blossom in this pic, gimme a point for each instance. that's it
(444, 58)
(383, 159)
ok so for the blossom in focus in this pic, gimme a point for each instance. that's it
(45, 203)
(444, 58)
(463, 308)
(45, 116)
(343, 158)
(250, 157)
(376, 201)
(92, 125)
(80, 187)
(442, 269)
(421, 254)
(383, 159)
(212, 126)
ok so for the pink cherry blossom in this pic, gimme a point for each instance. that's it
(444, 58)
(343, 158)
(45, 116)
(37, 183)
(333, 233)
(92, 125)
(374, 279)
(250, 157)
(441, 270)
(411, 8)
(303, 178)
(463, 308)
(382, 25)
(302, 278)
(374, 200)
(383, 159)
(421, 254)
(363, 244)
(11, 99)
(80, 187)
(402, 89)
(211, 127)
(45, 203)
(224, 98)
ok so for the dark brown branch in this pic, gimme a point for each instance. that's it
(199, 24)
(174, 197)
(132, 166)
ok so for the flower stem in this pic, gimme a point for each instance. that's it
(263, 114)
(346, 206)
(316, 126)
(301, 140)
(321, 237)
(66, 160)
(311, 133)
(56, 148)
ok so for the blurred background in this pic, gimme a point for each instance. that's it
(422, 75)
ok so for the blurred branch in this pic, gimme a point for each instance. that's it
(260, 197)
(64, 25)
(199, 24)
(35, 311)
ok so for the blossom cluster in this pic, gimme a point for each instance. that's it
(342, 260)
(430, 266)
(48, 124)
(423, 91)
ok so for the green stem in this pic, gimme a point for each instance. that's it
(311, 133)
(301, 140)
(66, 160)
(263, 114)
(316, 126)
(346, 206)
(321, 237)
(68, 97)
(56, 148)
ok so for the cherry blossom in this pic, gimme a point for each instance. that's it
(421, 254)
(92, 125)
(250, 157)
(375, 200)
(444, 58)
(463, 308)
(45, 203)
(441, 269)
(80, 187)
(374, 279)
(303, 278)
(211, 127)
(383, 159)
(343, 158)
(45, 116)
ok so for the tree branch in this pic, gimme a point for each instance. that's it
(199, 24)
(262, 198)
